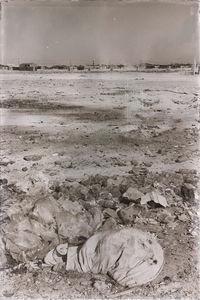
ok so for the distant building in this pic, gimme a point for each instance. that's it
(4, 67)
(28, 67)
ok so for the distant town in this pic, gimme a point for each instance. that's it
(143, 67)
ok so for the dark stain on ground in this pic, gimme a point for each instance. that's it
(37, 105)
(98, 116)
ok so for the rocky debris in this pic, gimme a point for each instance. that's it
(132, 195)
(34, 157)
(27, 239)
(155, 197)
(33, 228)
(188, 192)
(72, 211)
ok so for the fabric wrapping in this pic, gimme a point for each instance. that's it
(129, 256)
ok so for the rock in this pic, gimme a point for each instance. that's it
(97, 179)
(132, 194)
(45, 210)
(188, 192)
(147, 163)
(183, 218)
(124, 183)
(27, 239)
(73, 227)
(64, 164)
(105, 195)
(34, 157)
(8, 294)
(165, 217)
(107, 203)
(24, 169)
(110, 213)
(95, 190)
(134, 162)
(109, 224)
(128, 214)
(3, 181)
(4, 163)
(75, 223)
(181, 158)
(155, 197)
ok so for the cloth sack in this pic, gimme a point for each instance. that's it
(129, 256)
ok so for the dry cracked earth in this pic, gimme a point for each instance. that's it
(71, 147)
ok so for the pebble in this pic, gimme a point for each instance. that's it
(183, 218)
(34, 157)
(147, 163)
(24, 169)
(134, 162)
(187, 191)
(3, 181)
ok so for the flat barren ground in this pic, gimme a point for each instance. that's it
(87, 138)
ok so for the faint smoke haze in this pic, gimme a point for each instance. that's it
(107, 32)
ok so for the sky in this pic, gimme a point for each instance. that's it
(75, 32)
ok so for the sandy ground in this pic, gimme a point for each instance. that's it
(122, 126)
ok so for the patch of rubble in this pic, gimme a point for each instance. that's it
(73, 211)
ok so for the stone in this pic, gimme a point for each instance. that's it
(128, 214)
(107, 203)
(183, 218)
(4, 163)
(105, 195)
(155, 197)
(109, 224)
(147, 163)
(132, 194)
(181, 158)
(74, 222)
(73, 227)
(4, 181)
(108, 212)
(134, 162)
(188, 192)
(24, 169)
(34, 157)
(27, 239)
(64, 164)
(45, 210)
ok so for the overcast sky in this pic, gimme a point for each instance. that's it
(106, 31)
